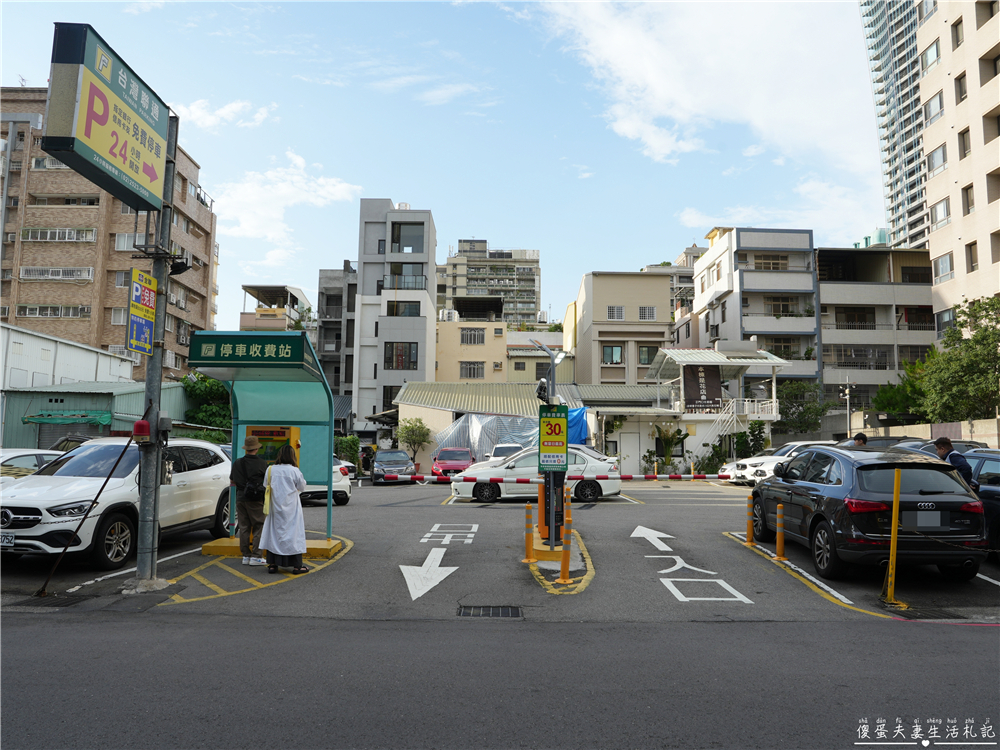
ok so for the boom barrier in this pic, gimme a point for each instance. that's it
(540, 480)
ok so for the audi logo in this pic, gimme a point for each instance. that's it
(926, 506)
(6, 517)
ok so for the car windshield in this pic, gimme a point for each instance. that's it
(392, 456)
(506, 450)
(914, 480)
(455, 454)
(90, 460)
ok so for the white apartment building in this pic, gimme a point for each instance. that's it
(477, 271)
(890, 37)
(959, 46)
(396, 313)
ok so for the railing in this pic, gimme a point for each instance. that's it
(38, 273)
(871, 364)
(404, 282)
(331, 312)
(915, 327)
(330, 347)
(841, 325)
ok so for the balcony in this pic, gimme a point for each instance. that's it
(330, 348)
(768, 323)
(404, 282)
(872, 363)
(332, 312)
(794, 279)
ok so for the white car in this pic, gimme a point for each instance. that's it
(40, 513)
(759, 468)
(315, 494)
(16, 463)
(503, 450)
(582, 460)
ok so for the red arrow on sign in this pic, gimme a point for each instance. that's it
(150, 171)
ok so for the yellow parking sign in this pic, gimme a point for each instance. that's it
(553, 437)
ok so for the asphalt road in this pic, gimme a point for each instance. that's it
(690, 640)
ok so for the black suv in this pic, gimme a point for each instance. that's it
(838, 502)
(985, 463)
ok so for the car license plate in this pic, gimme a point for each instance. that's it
(920, 519)
(7, 539)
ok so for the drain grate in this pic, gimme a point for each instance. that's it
(52, 601)
(928, 614)
(489, 611)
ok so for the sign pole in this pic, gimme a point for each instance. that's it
(151, 454)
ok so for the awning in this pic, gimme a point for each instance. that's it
(387, 418)
(68, 417)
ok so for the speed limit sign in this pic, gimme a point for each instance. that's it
(553, 438)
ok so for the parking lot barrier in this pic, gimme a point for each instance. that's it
(567, 540)
(540, 481)
(749, 541)
(528, 530)
(780, 548)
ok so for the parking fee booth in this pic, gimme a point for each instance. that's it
(279, 394)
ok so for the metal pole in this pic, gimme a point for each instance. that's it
(151, 452)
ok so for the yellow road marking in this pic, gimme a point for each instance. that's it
(579, 584)
(449, 499)
(204, 581)
(807, 582)
(252, 581)
(632, 499)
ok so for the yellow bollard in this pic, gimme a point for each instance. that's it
(749, 540)
(567, 543)
(889, 586)
(780, 549)
(567, 505)
(528, 546)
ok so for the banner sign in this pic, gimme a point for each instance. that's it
(553, 437)
(141, 312)
(702, 387)
(103, 121)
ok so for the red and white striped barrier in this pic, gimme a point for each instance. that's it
(539, 480)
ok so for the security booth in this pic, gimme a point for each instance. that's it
(279, 394)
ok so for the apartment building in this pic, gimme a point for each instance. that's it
(960, 85)
(335, 314)
(526, 363)
(68, 249)
(477, 271)
(890, 37)
(396, 313)
(471, 351)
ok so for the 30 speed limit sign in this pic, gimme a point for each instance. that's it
(553, 437)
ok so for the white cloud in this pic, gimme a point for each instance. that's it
(137, 8)
(390, 85)
(582, 171)
(779, 162)
(200, 114)
(259, 116)
(320, 81)
(755, 150)
(255, 207)
(444, 94)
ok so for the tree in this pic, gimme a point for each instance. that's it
(555, 328)
(757, 436)
(667, 440)
(347, 448)
(211, 398)
(801, 406)
(414, 434)
(908, 395)
(964, 382)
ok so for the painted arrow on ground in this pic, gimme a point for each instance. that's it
(427, 576)
(654, 537)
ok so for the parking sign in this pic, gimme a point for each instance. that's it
(553, 437)
(142, 313)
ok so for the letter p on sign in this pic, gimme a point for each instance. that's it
(101, 118)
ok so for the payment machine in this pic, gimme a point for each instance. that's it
(272, 438)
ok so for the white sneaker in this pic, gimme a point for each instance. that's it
(257, 561)
(246, 560)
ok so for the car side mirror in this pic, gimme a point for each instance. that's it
(167, 472)
(488, 457)
(779, 470)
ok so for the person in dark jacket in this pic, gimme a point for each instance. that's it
(248, 471)
(860, 440)
(946, 452)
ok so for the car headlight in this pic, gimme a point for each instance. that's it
(409, 469)
(71, 510)
(754, 466)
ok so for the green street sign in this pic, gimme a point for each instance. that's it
(553, 437)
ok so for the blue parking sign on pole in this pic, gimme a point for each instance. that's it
(142, 312)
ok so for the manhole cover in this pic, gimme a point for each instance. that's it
(52, 601)
(489, 611)
(915, 613)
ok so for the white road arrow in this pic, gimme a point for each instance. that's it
(654, 537)
(427, 576)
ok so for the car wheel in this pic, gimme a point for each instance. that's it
(760, 531)
(588, 491)
(341, 500)
(825, 558)
(486, 493)
(221, 526)
(959, 572)
(114, 541)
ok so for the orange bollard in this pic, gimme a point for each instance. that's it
(567, 543)
(567, 505)
(749, 540)
(780, 550)
(528, 546)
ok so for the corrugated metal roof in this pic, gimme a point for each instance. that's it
(341, 407)
(616, 393)
(510, 399)
(670, 361)
(116, 388)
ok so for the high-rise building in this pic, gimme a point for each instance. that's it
(960, 86)
(477, 271)
(68, 249)
(395, 308)
(890, 28)
(335, 312)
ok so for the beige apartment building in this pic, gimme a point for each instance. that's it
(68, 247)
(959, 44)
(475, 351)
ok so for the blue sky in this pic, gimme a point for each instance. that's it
(607, 136)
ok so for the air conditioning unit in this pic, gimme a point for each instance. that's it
(173, 299)
(498, 365)
(182, 339)
(182, 304)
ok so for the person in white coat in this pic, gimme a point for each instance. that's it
(284, 532)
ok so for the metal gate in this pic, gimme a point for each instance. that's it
(48, 434)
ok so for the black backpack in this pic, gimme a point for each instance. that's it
(254, 491)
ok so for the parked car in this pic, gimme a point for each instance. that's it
(927, 446)
(69, 442)
(452, 461)
(40, 513)
(838, 503)
(582, 460)
(16, 463)
(985, 463)
(503, 450)
(878, 441)
(739, 470)
(391, 462)
(760, 468)
(315, 494)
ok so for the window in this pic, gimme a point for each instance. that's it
(473, 336)
(168, 322)
(702, 280)
(781, 305)
(57, 235)
(972, 257)
(616, 312)
(964, 144)
(171, 360)
(498, 331)
(389, 393)
(46, 273)
(128, 210)
(39, 311)
(118, 317)
(913, 353)
(968, 200)
(770, 263)
(647, 313)
(937, 160)
(816, 473)
(930, 57)
(687, 330)
(519, 366)
(12, 201)
(718, 271)
(783, 346)
(124, 241)
(961, 88)
(472, 370)
(612, 355)
(541, 370)
(407, 238)
(647, 353)
(400, 356)
(381, 247)
(403, 309)
(943, 321)
(723, 311)
(957, 34)
(943, 269)
(916, 275)
(797, 466)
(745, 301)
(940, 214)
(707, 324)
(934, 108)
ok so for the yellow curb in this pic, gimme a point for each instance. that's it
(579, 583)
(230, 547)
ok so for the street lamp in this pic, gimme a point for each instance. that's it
(554, 359)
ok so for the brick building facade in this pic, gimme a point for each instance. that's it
(67, 250)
